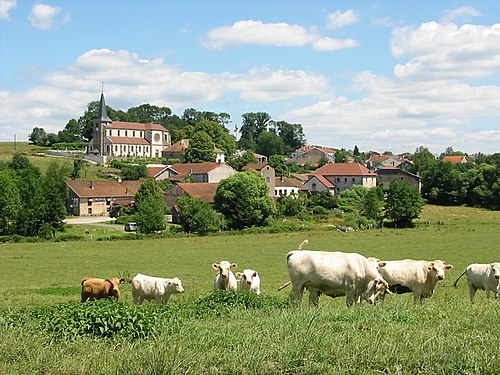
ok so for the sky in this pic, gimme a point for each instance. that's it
(383, 75)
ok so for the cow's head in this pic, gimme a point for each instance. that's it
(175, 285)
(114, 286)
(437, 269)
(224, 267)
(495, 267)
(247, 275)
(376, 289)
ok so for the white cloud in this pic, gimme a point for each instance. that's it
(463, 12)
(45, 16)
(5, 7)
(446, 51)
(130, 81)
(341, 19)
(270, 34)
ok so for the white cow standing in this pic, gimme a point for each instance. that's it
(334, 274)
(482, 276)
(417, 276)
(225, 279)
(249, 281)
(157, 288)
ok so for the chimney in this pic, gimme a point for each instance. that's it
(91, 184)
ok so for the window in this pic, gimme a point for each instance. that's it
(338, 179)
(345, 179)
(353, 179)
(118, 131)
(313, 186)
(125, 133)
(89, 202)
(90, 211)
(133, 133)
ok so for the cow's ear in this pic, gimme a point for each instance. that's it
(239, 274)
(381, 264)
(491, 264)
(430, 267)
(234, 265)
(255, 274)
(215, 266)
(448, 267)
(122, 281)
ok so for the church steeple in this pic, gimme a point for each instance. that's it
(103, 113)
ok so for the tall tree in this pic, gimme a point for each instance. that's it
(422, 159)
(54, 188)
(239, 162)
(71, 132)
(147, 113)
(403, 204)
(254, 123)
(244, 200)
(219, 134)
(150, 207)
(197, 216)
(292, 135)
(270, 144)
(10, 203)
(201, 148)
(38, 137)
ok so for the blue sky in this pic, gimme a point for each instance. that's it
(382, 75)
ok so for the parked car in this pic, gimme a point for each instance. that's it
(130, 227)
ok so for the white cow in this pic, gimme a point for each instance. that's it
(249, 281)
(334, 274)
(417, 276)
(225, 279)
(157, 288)
(482, 276)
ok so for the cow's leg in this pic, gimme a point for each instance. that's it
(297, 293)
(487, 293)
(472, 292)
(313, 296)
(350, 295)
(158, 299)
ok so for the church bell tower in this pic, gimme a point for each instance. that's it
(98, 124)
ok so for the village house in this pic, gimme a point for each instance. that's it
(284, 186)
(337, 177)
(386, 175)
(199, 172)
(176, 152)
(266, 171)
(96, 197)
(115, 139)
(260, 158)
(312, 155)
(456, 159)
(202, 190)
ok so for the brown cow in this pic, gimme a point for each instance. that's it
(93, 288)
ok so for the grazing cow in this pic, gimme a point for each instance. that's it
(249, 281)
(334, 274)
(225, 279)
(482, 276)
(417, 276)
(93, 288)
(157, 288)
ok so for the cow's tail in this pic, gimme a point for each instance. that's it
(303, 243)
(456, 281)
(284, 285)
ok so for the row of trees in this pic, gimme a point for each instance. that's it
(474, 184)
(31, 204)
(258, 131)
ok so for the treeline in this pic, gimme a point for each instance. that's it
(258, 131)
(475, 184)
(31, 204)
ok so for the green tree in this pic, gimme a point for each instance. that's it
(54, 189)
(290, 205)
(279, 164)
(403, 204)
(373, 204)
(270, 144)
(323, 199)
(292, 135)
(150, 207)
(201, 148)
(244, 200)
(10, 203)
(218, 133)
(38, 137)
(254, 123)
(71, 132)
(197, 216)
(134, 172)
(422, 159)
(239, 162)
(147, 113)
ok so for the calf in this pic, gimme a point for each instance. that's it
(334, 274)
(154, 288)
(249, 281)
(417, 276)
(225, 279)
(482, 276)
(93, 288)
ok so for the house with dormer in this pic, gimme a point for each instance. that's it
(337, 177)
(312, 155)
(116, 139)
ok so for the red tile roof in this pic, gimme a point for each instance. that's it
(153, 171)
(194, 168)
(104, 188)
(455, 158)
(180, 146)
(203, 190)
(343, 169)
(287, 182)
(323, 180)
(256, 166)
(135, 126)
(325, 149)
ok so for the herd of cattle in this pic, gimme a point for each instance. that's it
(333, 274)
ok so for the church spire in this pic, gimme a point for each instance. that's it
(103, 113)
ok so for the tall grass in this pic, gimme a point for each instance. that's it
(201, 333)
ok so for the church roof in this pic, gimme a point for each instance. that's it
(103, 113)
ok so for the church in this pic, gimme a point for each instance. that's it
(112, 139)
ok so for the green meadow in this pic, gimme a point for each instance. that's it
(203, 333)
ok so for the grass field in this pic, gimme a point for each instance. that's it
(444, 335)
